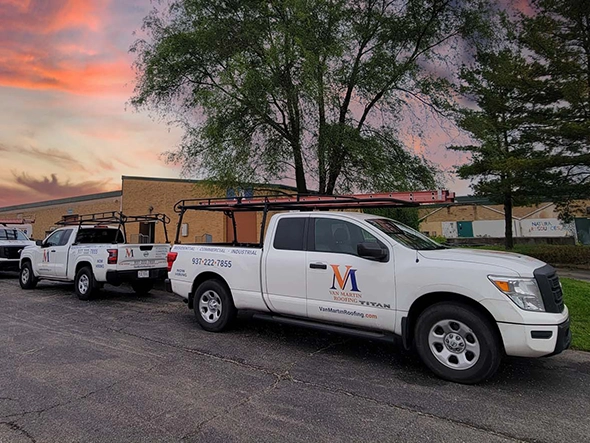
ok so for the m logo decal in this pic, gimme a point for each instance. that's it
(342, 280)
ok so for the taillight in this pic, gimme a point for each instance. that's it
(113, 255)
(170, 259)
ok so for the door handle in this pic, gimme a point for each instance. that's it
(318, 266)
(53, 250)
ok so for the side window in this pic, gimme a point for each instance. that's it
(337, 236)
(65, 237)
(53, 239)
(290, 233)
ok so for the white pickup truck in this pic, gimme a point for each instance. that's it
(91, 256)
(12, 242)
(372, 277)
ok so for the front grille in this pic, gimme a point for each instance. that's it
(11, 252)
(550, 288)
(556, 291)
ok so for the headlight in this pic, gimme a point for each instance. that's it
(522, 291)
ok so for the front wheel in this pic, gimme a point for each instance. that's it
(84, 284)
(457, 343)
(27, 279)
(214, 307)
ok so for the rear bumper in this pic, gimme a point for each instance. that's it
(168, 285)
(535, 340)
(118, 277)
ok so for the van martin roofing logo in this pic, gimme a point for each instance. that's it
(128, 253)
(342, 280)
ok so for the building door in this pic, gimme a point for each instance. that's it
(246, 226)
(465, 228)
(147, 232)
(583, 230)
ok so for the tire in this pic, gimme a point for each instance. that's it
(142, 287)
(457, 343)
(214, 307)
(26, 277)
(84, 283)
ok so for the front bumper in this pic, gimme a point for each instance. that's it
(7, 264)
(535, 340)
(118, 277)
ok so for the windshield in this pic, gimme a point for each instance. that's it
(405, 235)
(12, 234)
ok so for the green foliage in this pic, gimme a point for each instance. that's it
(555, 255)
(407, 216)
(531, 85)
(439, 239)
(575, 294)
(558, 38)
(299, 89)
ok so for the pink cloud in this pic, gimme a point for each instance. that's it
(61, 45)
(26, 189)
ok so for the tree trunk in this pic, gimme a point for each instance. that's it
(509, 240)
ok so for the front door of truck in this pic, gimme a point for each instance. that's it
(60, 254)
(343, 287)
(285, 267)
(46, 254)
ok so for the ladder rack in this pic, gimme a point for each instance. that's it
(113, 218)
(310, 202)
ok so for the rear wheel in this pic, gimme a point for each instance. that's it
(214, 307)
(457, 343)
(84, 284)
(27, 279)
(142, 287)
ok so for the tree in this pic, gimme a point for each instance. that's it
(558, 38)
(500, 83)
(302, 89)
(533, 102)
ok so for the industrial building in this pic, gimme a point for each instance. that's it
(147, 195)
(469, 217)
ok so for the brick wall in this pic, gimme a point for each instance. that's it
(139, 194)
(46, 216)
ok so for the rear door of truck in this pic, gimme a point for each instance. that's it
(284, 265)
(142, 258)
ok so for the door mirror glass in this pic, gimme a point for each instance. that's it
(372, 251)
(39, 242)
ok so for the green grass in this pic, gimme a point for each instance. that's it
(576, 294)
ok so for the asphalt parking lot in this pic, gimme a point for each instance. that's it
(129, 368)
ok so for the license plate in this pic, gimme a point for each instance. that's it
(143, 274)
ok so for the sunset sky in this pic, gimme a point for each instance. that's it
(65, 78)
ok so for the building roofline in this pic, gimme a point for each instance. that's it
(61, 201)
(189, 180)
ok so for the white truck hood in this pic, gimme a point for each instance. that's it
(522, 264)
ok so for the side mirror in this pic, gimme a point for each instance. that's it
(39, 242)
(372, 251)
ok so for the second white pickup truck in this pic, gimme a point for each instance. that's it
(373, 277)
(92, 255)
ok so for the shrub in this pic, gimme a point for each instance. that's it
(555, 255)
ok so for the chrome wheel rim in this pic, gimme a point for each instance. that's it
(210, 306)
(454, 344)
(83, 284)
(25, 275)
